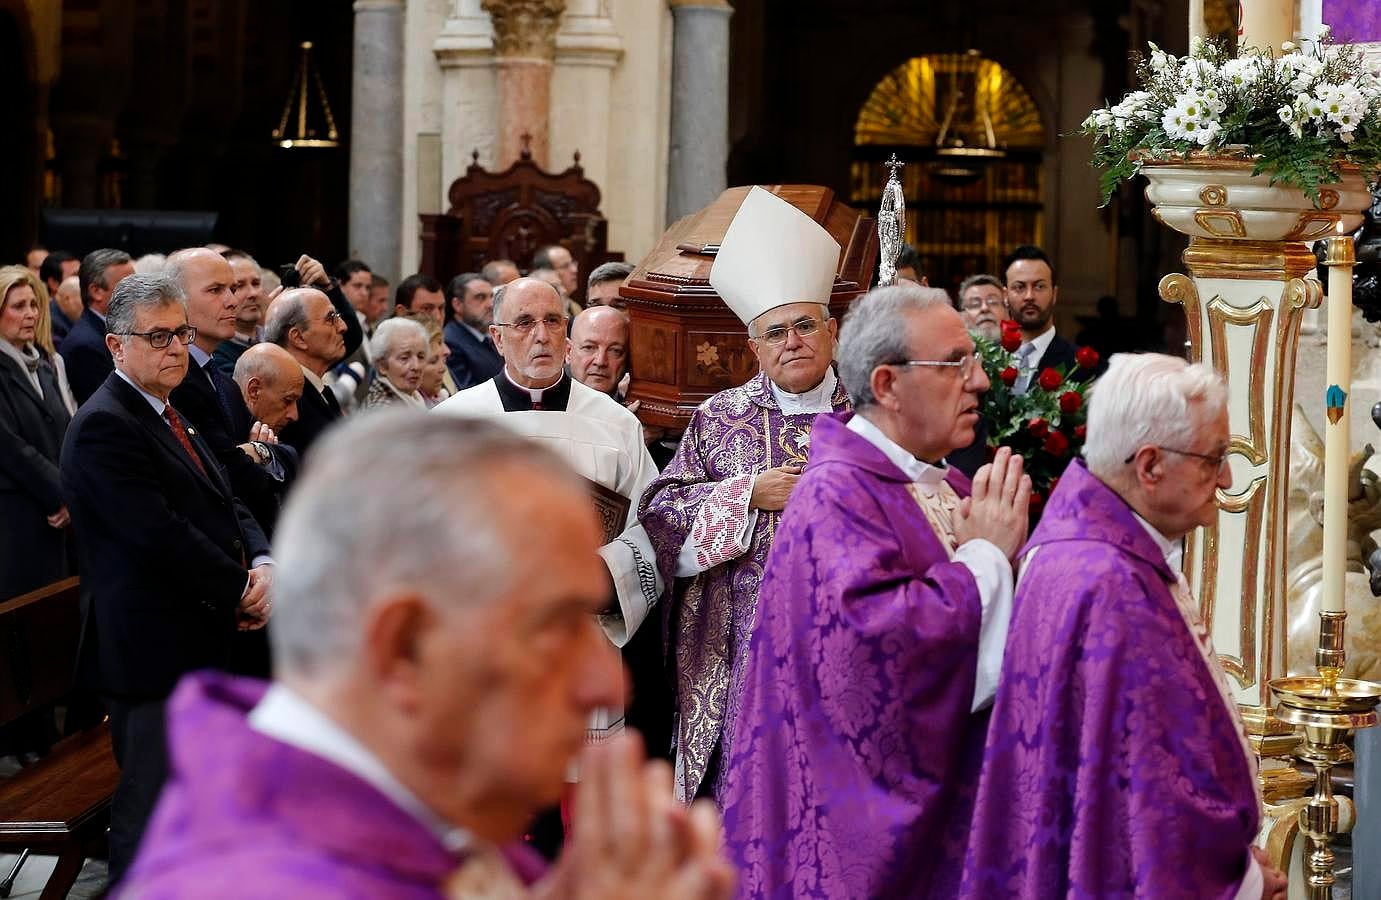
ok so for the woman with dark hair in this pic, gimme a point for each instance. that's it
(35, 406)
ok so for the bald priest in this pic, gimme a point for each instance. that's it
(712, 513)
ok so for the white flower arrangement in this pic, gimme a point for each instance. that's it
(1300, 116)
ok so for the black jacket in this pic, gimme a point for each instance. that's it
(471, 361)
(163, 548)
(86, 356)
(314, 413)
(32, 554)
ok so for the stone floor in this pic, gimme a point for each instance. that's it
(91, 883)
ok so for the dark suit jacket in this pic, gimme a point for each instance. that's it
(163, 548)
(59, 322)
(31, 430)
(85, 354)
(196, 399)
(314, 416)
(1061, 353)
(471, 361)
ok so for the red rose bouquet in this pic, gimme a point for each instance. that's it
(1046, 424)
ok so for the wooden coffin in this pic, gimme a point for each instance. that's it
(686, 343)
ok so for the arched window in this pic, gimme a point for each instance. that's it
(972, 138)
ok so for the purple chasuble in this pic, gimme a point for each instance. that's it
(1113, 768)
(854, 756)
(244, 815)
(702, 495)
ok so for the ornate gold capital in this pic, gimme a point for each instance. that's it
(525, 28)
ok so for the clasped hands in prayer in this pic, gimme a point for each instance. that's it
(995, 509)
(630, 839)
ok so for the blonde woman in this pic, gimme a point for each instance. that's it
(35, 406)
(433, 386)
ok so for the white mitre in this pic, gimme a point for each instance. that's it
(773, 254)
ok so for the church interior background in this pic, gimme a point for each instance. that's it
(119, 108)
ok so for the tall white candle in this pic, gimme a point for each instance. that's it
(1266, 24)
(1337, 406)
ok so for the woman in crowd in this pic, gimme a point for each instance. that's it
(433, 387)
(35, 406)
(399, 348)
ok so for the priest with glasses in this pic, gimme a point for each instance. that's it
(712, 512)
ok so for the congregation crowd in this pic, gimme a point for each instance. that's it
(353, 652)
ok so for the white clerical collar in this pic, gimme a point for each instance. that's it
(285, 716)
(918, 470)
(1173, 551)
(534, 393)
(158, 405)
(1041, 343)
(313, 379)
(819, 399)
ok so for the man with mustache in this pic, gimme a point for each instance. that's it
(1031, 296)
(535, 396)
(713, 513)
(983, 306)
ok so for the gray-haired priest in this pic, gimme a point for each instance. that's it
(713, 512)
(535, 396)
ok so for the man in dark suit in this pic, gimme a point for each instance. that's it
(172, 564)
(318, 333)
(84, 350)
(210, 400)
(1031, 296)
(473, 359)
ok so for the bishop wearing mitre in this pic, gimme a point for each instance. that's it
(712, 512)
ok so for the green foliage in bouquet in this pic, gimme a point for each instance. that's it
(1045, 424)
(1300, 116)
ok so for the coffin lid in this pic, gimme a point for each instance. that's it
(677, 271)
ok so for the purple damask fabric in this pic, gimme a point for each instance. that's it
(854, 756)
(1113, 766)
(244, 815)
(1353, 21)
(734, 435)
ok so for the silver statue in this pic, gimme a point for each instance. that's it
(891, 224)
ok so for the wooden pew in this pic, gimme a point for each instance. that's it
(60, 805)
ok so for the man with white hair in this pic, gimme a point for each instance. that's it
(1116, 763)
(435, 662)
(713, 511)
(881, 619)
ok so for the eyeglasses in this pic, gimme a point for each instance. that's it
(161, 338)
(526, 324)
(803, 328)
(964, 365)
(1215, 460)
(974, 304)
(332, 317)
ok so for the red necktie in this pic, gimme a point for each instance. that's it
(180, 432)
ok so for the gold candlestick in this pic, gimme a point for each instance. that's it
(1328, 707)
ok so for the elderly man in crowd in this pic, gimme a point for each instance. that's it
(318, 331)
(499, 271)
(65, 307)
(248, 288)
(437, 662)
(983, 304)
(470, 302)
(598, 350)
(271, 382)
(559, 260)
(1113, 716)
(172, 563)
(605, 281)
(882, 615)
(84, 349)
(713, 511)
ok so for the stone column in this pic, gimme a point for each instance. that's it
(699, 105)
(376, 132)
(525, 40)
(588, 48)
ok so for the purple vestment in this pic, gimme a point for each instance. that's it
(855, 755)
(703, 496)
(1114, 767)
(244, 815)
